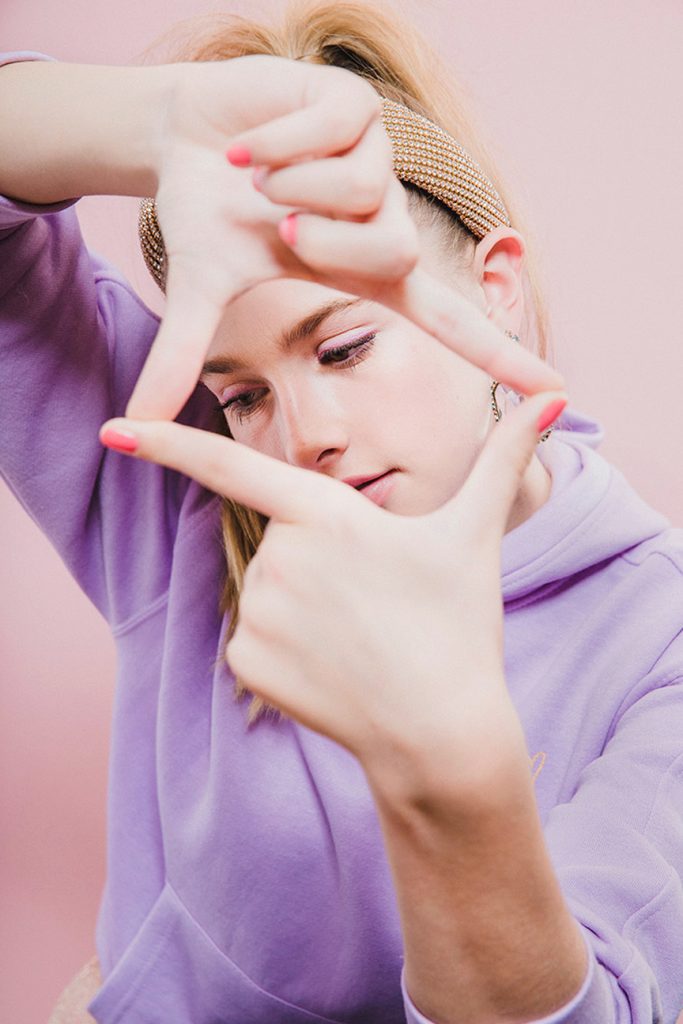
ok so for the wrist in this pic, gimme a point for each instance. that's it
(467, 764)
(156, 93)
(130, 160)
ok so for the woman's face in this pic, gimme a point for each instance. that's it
(348, 388)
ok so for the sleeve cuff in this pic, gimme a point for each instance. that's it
(17, 56)
(13, 212)
(592, 1004)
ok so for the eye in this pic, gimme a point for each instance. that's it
(244, 404)
(350, 354)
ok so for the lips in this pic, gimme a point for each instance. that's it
(376, 488)
(360, 481)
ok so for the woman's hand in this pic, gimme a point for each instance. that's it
(72, 1004)
(317, 133)
(383, 632)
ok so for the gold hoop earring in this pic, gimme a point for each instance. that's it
(495, 408)
(497, 414)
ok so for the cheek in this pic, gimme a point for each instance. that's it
(259, 436)
(434, 401)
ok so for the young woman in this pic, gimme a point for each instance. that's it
(455, 791)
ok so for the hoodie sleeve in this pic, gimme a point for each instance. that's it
(617, 848)
(73, 340)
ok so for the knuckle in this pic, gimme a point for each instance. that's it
(365, 191)
(385, 151)
(245, 645)
(273, 560)
(338, 121)
(371, 97)
(235, 653)
(403, 253)
(248, 607)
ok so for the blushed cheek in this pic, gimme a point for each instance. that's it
(448, 430)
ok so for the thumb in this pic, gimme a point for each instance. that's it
(174, 362)
(488, 494)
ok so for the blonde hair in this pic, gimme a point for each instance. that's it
(372, 41)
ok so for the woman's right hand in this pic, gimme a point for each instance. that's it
(72, 1005)
(318, 133)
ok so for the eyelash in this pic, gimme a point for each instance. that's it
(360, 348)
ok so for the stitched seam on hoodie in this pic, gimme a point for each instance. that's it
(668, 680)
(228, 959)
(652, 554)
(673, 769)
(139, 617)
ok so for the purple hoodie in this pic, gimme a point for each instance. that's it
(247, 879)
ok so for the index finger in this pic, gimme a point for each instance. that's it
(460, 325)
(261, 482)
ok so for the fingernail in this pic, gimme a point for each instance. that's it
(258, 177)
(550, 414)
(121, 440)
(287, 229)
(239, 156)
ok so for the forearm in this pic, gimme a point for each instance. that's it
(487, 935)
(68, 130)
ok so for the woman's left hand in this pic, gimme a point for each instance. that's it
(383, 632)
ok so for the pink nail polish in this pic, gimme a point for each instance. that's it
(550, 414)
(239, 156)
(120, 441)
(287, 229)
(258, 178)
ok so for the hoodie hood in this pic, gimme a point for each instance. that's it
(592, 514)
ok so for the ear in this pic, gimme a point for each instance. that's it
(497, 266)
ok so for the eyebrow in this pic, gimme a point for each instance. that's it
(288, 338)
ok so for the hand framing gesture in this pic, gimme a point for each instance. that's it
(371, 628)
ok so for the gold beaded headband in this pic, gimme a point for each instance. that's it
(428, 157)
(424, 155)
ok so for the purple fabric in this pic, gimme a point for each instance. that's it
(247, 880)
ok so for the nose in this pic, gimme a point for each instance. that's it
(313, 426)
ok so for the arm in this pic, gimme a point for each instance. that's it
(69, 130)
(73, 339)
(464, 873)
(479, 900)
(71, 1007)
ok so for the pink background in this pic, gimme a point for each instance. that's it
(583, 102)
